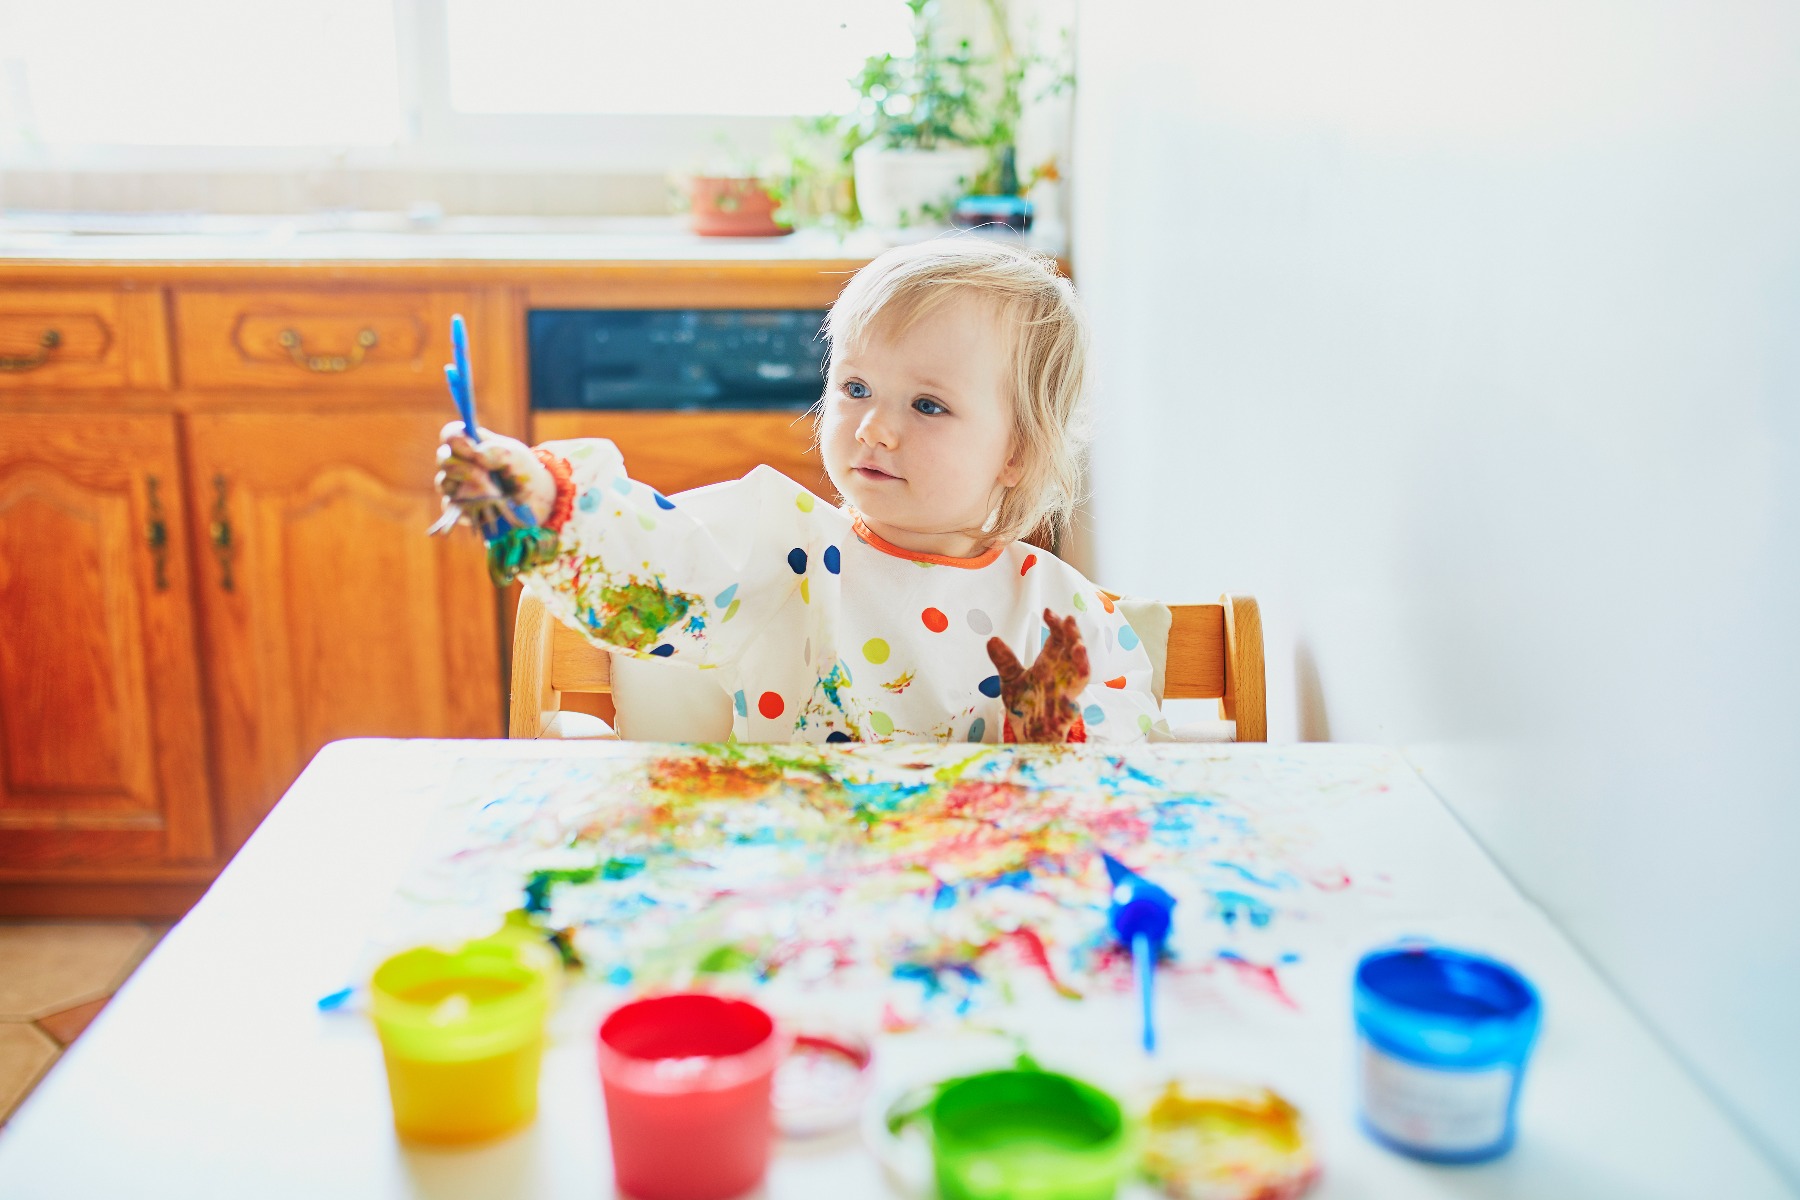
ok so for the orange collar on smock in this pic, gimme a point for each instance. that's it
(942, 560)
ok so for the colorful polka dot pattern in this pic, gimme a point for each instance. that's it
(948, 651)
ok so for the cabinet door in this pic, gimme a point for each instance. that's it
(327, 612)
(102, 757)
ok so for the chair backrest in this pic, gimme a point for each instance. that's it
(1215, 652)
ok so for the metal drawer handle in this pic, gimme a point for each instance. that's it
(31, 362)
(223, 549)
(327, 363)
(156, 536)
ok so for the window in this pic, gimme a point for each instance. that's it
(640, 85)
(708, 57)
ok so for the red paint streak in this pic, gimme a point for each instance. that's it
(1030, 562)
(1258, 978)
(983, 800)
(1032, 947)
(1331, 881)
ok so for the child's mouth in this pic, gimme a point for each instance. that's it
(875, 475)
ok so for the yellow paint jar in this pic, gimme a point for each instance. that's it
(462, 1034)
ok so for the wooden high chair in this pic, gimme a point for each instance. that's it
(1198, 652)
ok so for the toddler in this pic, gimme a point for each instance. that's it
(951, 427)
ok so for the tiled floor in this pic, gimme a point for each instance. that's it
(55, 977)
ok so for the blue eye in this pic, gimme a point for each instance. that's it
(928, 406)
(856, 389)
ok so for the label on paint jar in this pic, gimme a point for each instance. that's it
(1432, 1109)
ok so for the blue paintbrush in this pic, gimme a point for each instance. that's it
(1141, 915)
(515, 541)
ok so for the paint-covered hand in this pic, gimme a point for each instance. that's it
(1041, 702)
(478, 478)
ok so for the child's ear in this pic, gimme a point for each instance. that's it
(1013, 471)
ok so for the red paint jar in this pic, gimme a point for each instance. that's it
(687, 1079)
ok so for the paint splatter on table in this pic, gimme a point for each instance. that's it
(950, 877)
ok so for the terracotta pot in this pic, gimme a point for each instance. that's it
(732, 207)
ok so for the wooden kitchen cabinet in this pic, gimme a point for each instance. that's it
(215, 481)
(675, 451)
(326, 611)
(102, 742)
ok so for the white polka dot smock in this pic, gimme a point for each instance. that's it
(821, 631)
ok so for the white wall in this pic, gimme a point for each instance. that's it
(1467, 336)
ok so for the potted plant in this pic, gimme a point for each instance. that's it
(916, 139)
(928, 129)
(733, 206)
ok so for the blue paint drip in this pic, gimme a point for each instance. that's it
(1233, 905)
(336, 1000)
(1280, 882)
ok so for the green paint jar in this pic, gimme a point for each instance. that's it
(1023, 1134)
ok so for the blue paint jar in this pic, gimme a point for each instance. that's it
(1442, 1041)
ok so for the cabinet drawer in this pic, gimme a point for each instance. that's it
(675, 451)
(317, 339)
(82, 338)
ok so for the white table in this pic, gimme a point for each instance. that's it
(213, 1074)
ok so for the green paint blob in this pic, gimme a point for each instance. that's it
(634, 614)
(881, 723)
(1080, 604)
(875, 650)
(722, 960)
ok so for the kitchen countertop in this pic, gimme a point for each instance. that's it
(357, 238)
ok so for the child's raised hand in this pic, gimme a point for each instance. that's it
(479, 477)
(1041, 701)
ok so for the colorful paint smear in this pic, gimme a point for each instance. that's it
(951, 876)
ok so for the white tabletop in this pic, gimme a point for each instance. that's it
(213, 1074)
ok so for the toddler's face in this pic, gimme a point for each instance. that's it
(918, 427)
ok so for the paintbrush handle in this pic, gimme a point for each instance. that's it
(1143, 962)
(459, 348)
(465, 402)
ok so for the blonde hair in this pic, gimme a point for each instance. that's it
(1048, 332)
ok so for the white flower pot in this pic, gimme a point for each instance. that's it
(907, 187)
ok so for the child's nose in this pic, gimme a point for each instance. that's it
(874, 431)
